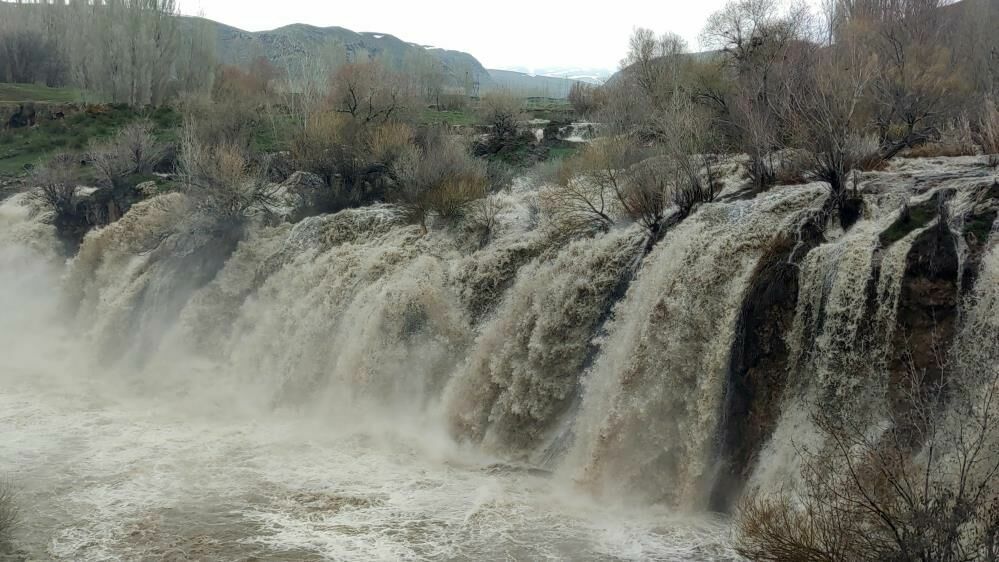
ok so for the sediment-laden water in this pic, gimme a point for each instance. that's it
(350, 388)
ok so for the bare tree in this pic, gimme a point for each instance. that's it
(439, 178)
(9, 513)
(369, 93)
(826, 108)
(133, 150)
(57, 181)
(760, 47)
(223, 179)
(656, 64)
(586, 99)
(922, 489)
(917, 77)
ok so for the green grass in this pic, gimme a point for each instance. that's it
(22, 148)
(20, 93)
(551, 109)
(562, 152)
(272, 132)
(552, 104)
(456, 118)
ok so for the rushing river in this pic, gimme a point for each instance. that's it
(352, 388)
(184, 460)
(103, 475)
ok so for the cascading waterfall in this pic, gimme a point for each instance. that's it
(653, 400)
(526, 363)
(610, 369)
(846, 327)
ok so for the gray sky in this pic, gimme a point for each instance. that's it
(505, 34)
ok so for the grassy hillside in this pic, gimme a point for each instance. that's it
(20, 93)
(20, 149)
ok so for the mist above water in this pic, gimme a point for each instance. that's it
(348, 387)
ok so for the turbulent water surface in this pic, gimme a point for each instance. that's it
(350, 387)
(122, 455)
(105, 477)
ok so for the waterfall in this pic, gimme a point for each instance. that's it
(850, 350)
(526, 363)
(617, 374)
(653, 400)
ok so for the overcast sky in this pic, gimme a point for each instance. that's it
(505, 34)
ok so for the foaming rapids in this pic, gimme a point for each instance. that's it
(352, 387)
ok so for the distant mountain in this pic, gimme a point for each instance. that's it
(595, 76)
(526, 84)
(293, 45)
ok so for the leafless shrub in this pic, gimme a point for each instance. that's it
(614, 176)
(230, 120)
(321, 146)
(955, 139)
(924, 488)
(793, 167)
(9, 512)
(482, 217)
(134, 150)
(138, 143)
(439, 179)
(586, 99)
(988, 131)
(772, 528)
(353, 159)
(111, 162)
(588, 189)
(223, 179)
(389, 142)
(502, 112)
(57, 181)
(645, 195)
(499, 174)
(863, 153)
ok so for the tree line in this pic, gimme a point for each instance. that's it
(135, 52)
(850, 86)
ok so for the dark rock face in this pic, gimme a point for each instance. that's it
(758, 365)
(305, 191)
(850, 211)
(25, 116)
(100, 208)
(927, 311)
(978, 226)
(280, 167)
(925, 326)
